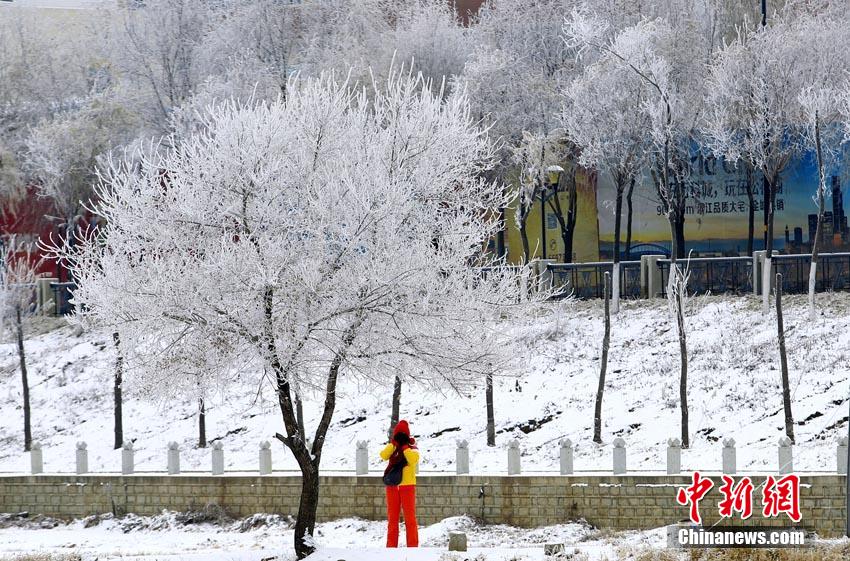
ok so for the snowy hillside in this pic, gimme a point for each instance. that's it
(734, 392)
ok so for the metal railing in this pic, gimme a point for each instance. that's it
(585, 280)
(833, 272)
(714, 275)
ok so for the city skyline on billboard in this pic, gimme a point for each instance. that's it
(717, 209)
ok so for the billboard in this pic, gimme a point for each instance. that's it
(717, 211)
(544, 236)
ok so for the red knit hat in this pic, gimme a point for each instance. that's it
(401, 427)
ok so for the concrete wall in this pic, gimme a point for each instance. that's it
(625, 502)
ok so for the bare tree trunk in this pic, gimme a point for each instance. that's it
(680, 236)
(491, 419)
(523, 234)
(299, 411)
(308, 505)
(750, 180)
(767, 272)
(202, 424)
(566, 220)
(615, 275)
(675, 290)
(629, 219)
(308, 459)
(813, 269)
(683, 376)
(572, 217)
(603, 367)
(500, 235)
(117, 398)
(19, 329)
(394, 415)
(783, 361)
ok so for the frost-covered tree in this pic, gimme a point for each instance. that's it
(821, 130)
(534, 157)
(752, 96)
(600, 119)
(42, 72)
(345, 36)
(251, 50)
(157, 52)
(18, 276)
(63, 151)
(519, 67)
(428, 36)
(665, 61)
(331, 234)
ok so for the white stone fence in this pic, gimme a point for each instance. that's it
(673, 454)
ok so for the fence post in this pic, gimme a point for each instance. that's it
(514, 463)
(265, 457)
(82, 458)
(217, 457)
(619, 454)
(729, 458)
(841, 455)
(173, 458)
(786, 456)
(45, 295)
(36, 459)
(566, 457)
(462, 457)
(545, 279)
(127, 467)
(758, 262)
(362, 458)
(653, 275)
(674, 456)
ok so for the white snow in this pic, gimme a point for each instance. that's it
(62, 4)
(163, 538)
(734, 391)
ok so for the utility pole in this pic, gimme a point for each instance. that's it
(847, 483)
(765, 184)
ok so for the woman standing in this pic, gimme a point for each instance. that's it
(400, 479)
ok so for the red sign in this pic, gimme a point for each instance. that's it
(779, 496)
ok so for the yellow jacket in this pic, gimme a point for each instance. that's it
(408, 472)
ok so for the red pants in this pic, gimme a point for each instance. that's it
(402, 498)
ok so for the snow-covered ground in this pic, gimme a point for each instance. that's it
(62, 4)
(167, 538)
(734, 392)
